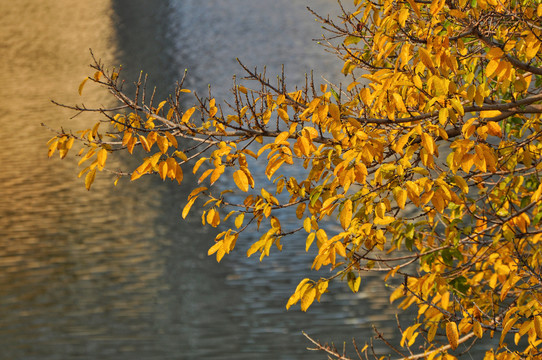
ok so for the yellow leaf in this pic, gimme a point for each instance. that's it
(340, 249)
(102, 157)
(131, 144)
(384, 221)
(345, 216)
(400, 196)
(425, 56)
(187, 114)
(438, 202)
(217, 173)
(141, 170)
(215, 248)
(428, 143)
(477, 330)
(144, 143)
(239, 220)
(380, 210)
(400, 144)
(348, 67)
(308, 226)
(52, 147)
(163, 169)
(196, 191)
(495, 53)
(432, 332)
(310, 240)
(321, 236)
(308, 298)
(283, 114)
(494, 128)
(172, 139)
(241, 180)
(462, 184)
(179, 174)
(491, 67)
(538, 326)
(415, 8)
(354, 282)
(303, 145)
(69, 143)
(452, 334)
(89, 178)
(489, 113)
(281, 138)
(205, 174)
(81, 86)
(506, 327)
(187, 207)
(198, 164)
(126, 138)
(442, 116)
(98, 75)
(273, 166)
(300, 210)
(213, 217)
(163, 143)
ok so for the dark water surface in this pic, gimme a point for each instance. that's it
(115, 273)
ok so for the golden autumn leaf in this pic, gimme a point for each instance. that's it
(239, 220)
(308, 298)
(163, 170)
(400, 196)
(452, 334)
(179, 174)
(188, 206)
(213, 249)
(52, 147)
(477, 329)
(216, 173)
(163, 143)
(102, 157)
(494, 128)
(144, 143)
(300, 210)
(89, 178)
(345, 216)
(187, 114)
(213, 217)
(172, 139)
(538, 326)
(428, 143)
(241, 180)
(81, 86)
(283, 114)
(354, 282)
(425, 56)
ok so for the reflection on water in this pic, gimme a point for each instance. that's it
(113, 273)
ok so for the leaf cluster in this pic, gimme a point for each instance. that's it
(429, 161)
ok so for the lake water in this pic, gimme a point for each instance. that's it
(115, 273)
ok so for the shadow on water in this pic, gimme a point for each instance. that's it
(114, 273)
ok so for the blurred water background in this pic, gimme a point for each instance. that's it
(115, 273)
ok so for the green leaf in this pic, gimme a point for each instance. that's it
(351, 40)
